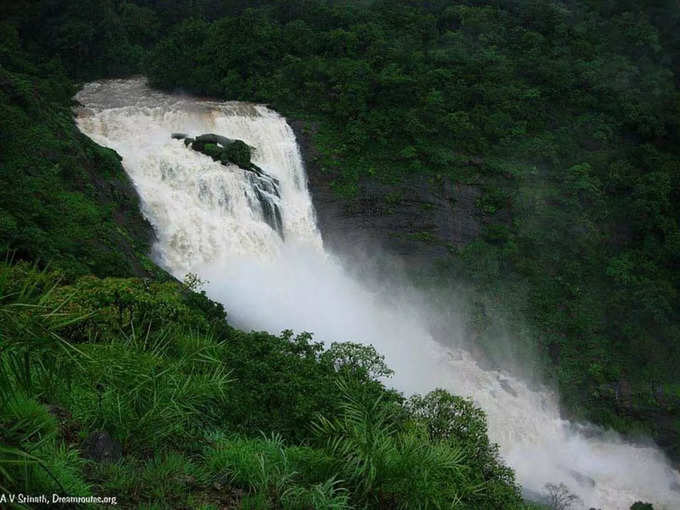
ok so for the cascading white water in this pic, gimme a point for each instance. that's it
(208, 221)
(201, 211)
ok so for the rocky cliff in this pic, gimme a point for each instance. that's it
(419, 221)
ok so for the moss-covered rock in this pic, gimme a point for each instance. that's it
(212, 150)
(238, 153)
(224, 150)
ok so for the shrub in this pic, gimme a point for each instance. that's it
(385, 462)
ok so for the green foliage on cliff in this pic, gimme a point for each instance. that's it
(208, 416)
(63, 198)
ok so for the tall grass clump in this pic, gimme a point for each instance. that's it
(145, 399)
(388, 463)
(33, 356)
(273, 474)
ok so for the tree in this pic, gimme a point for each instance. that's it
(359, 359)
(559, 497)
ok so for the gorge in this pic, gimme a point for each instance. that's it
(211, 220)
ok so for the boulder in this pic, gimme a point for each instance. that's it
(238, 152)
(213, 150)
(222, 149)
(213, 138)
(101, 447)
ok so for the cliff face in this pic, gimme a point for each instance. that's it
(419, 222)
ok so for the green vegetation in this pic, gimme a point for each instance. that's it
(565, 114)
(63, 198)
(206, 416)
(237, 152)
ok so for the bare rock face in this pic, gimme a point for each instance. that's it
(101, 447)
(418, 222)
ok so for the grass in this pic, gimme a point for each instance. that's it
(184, 397)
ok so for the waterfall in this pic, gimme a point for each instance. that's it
(210, 220)
(201, 210)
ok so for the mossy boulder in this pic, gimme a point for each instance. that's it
(238, 153)
(224, 150)
(213, 150)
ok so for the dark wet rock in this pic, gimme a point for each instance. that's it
(582, 479)
(419, 221)
(270, 211)
(101, 447)
(506, 386)
(228, 151)
(220, 148)
(217, 139)
(267, 192)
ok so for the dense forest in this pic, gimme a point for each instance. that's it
(564, 114)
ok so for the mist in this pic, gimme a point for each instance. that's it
(307, 291)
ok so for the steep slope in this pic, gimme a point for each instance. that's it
(63, 199)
